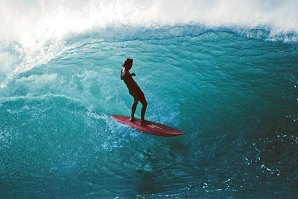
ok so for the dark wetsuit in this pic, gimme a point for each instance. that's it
(132, 86)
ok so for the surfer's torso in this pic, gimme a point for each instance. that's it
(132, 86)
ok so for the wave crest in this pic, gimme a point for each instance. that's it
(33, 32)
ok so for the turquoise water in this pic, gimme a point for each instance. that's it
(233, 91)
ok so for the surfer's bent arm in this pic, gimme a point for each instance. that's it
(126, 74)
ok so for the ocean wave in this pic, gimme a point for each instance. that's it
(42, 19)
(232, 90)
(34, 32)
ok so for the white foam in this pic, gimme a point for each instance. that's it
(30, 22)
(32, 32)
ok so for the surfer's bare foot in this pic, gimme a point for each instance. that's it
(132, 119)
(143, 122)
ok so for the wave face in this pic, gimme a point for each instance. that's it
(230, 83)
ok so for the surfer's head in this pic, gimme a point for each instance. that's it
(128, 64)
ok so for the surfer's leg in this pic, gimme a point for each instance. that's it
(133, 109)
(144, 106)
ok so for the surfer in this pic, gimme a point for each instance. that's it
(134, 90)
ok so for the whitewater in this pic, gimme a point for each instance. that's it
(224, 72)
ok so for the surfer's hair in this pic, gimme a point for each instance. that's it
(127, 61)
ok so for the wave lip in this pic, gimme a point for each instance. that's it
(33, 32)
(38, 20)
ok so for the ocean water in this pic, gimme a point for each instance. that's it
(224, 72)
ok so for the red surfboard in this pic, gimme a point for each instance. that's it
(150, 127)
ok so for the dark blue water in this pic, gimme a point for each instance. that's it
(232, 90)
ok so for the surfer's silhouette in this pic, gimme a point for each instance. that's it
(134, 90)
